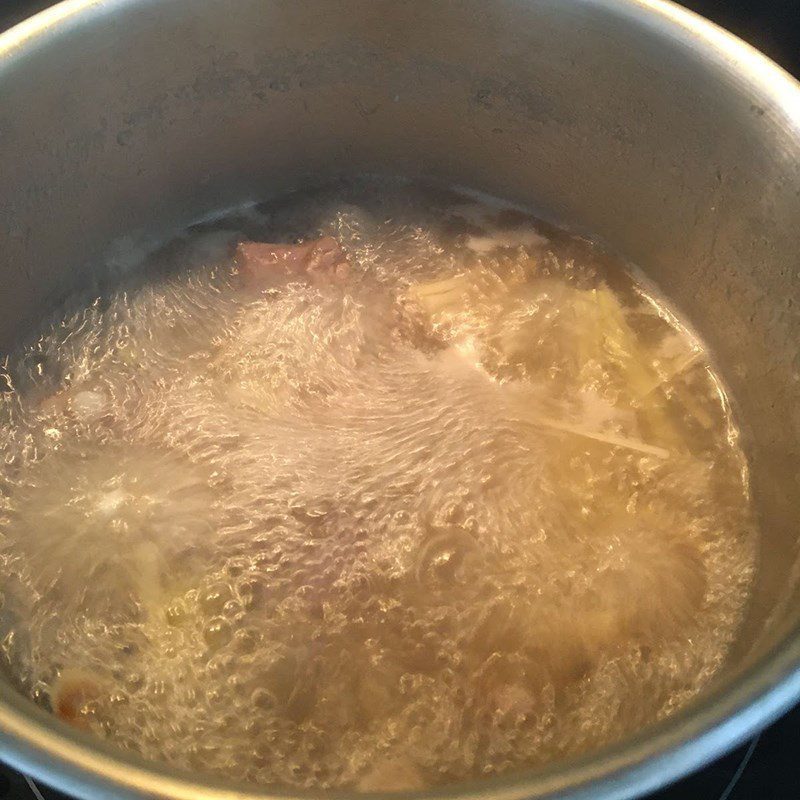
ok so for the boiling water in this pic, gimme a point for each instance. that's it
(478, 507)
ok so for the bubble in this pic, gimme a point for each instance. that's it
(176, 614)
(217, 633)
(213, 600)
(263, 700)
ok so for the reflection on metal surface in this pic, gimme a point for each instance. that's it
(742, 59)
(27, 30)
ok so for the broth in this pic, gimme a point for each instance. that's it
(474, 505)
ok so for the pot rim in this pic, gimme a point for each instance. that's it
(37, 744)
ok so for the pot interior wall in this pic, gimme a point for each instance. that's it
(154, 114)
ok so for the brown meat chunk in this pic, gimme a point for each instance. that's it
(72, 696)
(263, 264)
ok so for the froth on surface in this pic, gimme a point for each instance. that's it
(478, 508)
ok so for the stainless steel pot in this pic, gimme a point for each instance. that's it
(630, 119)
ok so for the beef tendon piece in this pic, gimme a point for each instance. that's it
(262, 265)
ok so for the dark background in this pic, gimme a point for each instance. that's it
(767, 768)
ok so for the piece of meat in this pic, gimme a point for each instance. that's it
(72, 694)
(263, 264)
